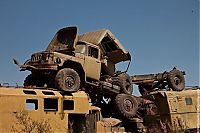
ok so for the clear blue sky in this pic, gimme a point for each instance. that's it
(160, 34)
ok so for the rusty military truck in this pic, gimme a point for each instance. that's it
(43, 111)
(173, 111)
(73, 61)
(172, 80)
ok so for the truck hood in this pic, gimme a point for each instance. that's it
(109, 45)
(64, 39)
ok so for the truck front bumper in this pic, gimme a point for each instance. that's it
(44, 67)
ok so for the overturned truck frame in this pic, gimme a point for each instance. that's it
(173, 79)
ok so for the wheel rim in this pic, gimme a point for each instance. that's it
(69, 81)
(128, 106)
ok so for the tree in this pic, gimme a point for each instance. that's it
(24, 124)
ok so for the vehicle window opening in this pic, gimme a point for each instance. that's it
(50, 104)
(188, 101)
(48, 93)
(29, 92)
(31, 104)
(81, 48)
(91, 122)
(65, 93)
(93, 52)
(108, 45)
(68, 105)
(77, 123)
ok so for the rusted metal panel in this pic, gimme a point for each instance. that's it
(65, 38)
(178, 111)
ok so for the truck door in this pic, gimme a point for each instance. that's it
(92, 64)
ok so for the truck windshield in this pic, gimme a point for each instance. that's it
(80, 48)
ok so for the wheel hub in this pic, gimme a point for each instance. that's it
(177, 80)
(69, 81)
(128, 105)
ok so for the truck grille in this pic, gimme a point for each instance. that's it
(42, 57)
(36, 58)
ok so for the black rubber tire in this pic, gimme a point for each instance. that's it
(176, 80)
(116, 81)
(126, 105)
(67, 80)
(32, 80)
(125, 83)
(29, 81)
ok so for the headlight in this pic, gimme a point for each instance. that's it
(57, 60)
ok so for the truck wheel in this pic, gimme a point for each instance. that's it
(125, 83)
(29, 81)
(176, 80)
(68, 80)
(32, 80)
(126, 105)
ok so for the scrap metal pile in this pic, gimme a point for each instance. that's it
(87, 62)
